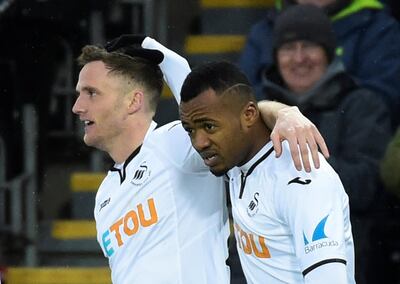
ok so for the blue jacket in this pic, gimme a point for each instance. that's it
(369, 43)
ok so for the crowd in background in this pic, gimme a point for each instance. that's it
(354, 102)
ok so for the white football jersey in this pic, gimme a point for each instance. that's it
(161, 217)
(289, 222)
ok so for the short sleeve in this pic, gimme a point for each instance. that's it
(315, 207)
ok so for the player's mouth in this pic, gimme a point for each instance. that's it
(88, 123)
(210, 160)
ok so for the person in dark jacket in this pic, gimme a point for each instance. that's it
(368, 43)
(354, 121)
(390, 166)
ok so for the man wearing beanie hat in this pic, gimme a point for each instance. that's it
(354, 121)
(305, 22)
(368, 42)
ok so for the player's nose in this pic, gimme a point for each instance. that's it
(78, 108)
(200, 141)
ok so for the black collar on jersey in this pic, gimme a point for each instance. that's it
(122, 173)
(243, 177)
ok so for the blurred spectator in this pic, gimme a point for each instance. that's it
(368, 42)
(390, 167)
(354, 121)
(387, 232)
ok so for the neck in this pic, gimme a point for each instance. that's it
(260, 136)
(126, 144)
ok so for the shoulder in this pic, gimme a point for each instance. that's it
(170, 133)
(362, 100)
(262, 25)
(298, 193)
(265, 24)
(288, 176)
(171, 127)
(362, 94)
(172, 143)
(379, 16)
(169, 139)
(367, 26)
(368, 20)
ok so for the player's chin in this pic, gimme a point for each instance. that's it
(89, 141)
(218, 172)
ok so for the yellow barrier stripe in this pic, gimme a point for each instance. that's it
(58, 275)
(211, 44)
(237, 3)
(81, 182)
(73, 229)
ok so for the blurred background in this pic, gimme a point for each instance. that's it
(48, 177)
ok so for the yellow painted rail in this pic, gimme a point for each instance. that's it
(209, 44)
(58, 275)
(73, 229)
(86, 181)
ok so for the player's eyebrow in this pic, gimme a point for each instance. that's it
(87, 89)
(198, 121)
(203, 119)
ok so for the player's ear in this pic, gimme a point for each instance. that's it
(250, 114)
(135, 101)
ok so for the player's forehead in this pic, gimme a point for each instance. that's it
(93, 68)
(95, 74)
(91, 73)
(206, 105)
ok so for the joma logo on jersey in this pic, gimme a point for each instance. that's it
(250, 244)
(299, 181)
(129, 225)
(104, 203)
(141, 174)
(318, 238)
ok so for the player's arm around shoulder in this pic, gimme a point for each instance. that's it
(173, 144)
(315, 207)
(175, 68)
